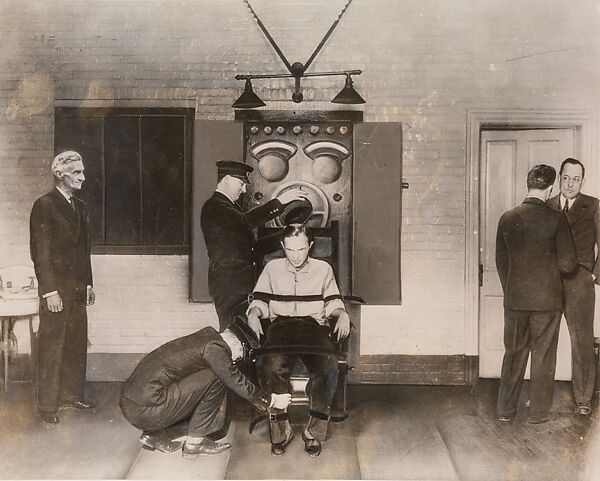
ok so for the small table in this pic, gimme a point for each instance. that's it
(13, 309)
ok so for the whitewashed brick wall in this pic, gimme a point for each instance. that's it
(425, 63)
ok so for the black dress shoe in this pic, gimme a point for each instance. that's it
(206, 447)
(83, 405)
(277, 449)
(160, 442)
(50, 418)
(311, 445)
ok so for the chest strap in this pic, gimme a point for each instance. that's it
(267, 297)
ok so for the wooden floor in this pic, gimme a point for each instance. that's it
(394, 432)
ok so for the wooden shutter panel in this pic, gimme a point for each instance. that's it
(213, 140)
(377, 211)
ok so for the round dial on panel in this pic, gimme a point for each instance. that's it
(320, 205)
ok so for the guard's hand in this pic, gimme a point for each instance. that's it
(54, 302)
(90, 297)
(342, 327)
(292, 194)
(280, 401)
(254, 321)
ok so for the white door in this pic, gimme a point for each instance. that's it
(506, 157)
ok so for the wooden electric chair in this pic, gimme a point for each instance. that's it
(324, 248)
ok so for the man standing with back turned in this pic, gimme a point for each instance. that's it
(579, 296)
(534, 246)
(229, 238)
(60, 250)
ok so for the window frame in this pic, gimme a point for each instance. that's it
(188, 115)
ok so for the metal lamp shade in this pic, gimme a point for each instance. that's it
(348, 95)
(248, 99)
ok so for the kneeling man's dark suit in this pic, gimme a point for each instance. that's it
(186, 378)
(534, 246)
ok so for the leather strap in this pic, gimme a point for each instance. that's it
(267, 297)
(274, 417)
(318, 415)
(294, 349)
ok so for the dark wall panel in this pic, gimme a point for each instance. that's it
(123, 202)
(163, 172)
(213, 140)
(377, 212)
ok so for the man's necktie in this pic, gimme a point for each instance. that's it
(566, 207)
(72, 202)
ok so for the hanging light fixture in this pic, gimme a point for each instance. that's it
(348, 95)
(249, 100)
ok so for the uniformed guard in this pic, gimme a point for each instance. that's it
(229, 238)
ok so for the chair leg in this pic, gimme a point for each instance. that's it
(6, 349)
(339, 412)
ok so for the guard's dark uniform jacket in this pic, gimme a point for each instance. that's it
(229, 240)
(186, 377)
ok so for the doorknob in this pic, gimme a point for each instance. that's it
(480, 275)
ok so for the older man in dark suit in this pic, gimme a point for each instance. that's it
(60, 250)
(534, 246)
(579, 295)
(229, 238)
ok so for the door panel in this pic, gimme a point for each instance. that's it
(213, 140)
(506, 158)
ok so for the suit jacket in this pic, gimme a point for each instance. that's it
(229, 240)
(149, 383)
(534, 246)
(584, 219)
(60, 246)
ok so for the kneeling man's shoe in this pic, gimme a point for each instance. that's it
(311, 445)
(158, 442)
(204, 448)
(277, 449)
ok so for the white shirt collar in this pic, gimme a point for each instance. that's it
(303, 269)
(563, 199)
(225, 194)
(533, 196)
(64, 194)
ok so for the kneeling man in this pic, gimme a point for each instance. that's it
(299, 294)
(185, 379)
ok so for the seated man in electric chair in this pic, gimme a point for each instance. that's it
(299, 295)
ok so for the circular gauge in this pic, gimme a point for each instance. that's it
(318, 199)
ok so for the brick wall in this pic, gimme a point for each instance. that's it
(425, 64)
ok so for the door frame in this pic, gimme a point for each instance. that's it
(508, 119)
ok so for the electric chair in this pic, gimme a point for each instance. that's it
(325, 248)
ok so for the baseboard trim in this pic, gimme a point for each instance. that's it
(453, 370)
(111, 366)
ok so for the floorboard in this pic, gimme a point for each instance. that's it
(393, 432)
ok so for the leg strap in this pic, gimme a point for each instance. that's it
(278, 417)
(318, 415)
